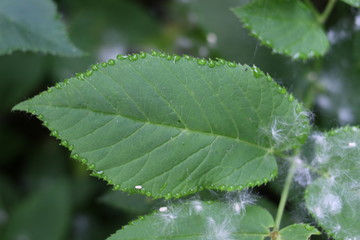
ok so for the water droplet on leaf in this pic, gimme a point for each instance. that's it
(309, 227)
(201, 61)
(231, 64)
(91, 166)
(95, 67)
(142, 55)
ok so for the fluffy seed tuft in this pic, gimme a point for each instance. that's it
(218, 231)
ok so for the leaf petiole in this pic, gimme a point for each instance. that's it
(328, 9)
(284, 195)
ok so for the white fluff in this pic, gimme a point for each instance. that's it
(218, 231)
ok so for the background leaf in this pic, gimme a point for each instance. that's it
(221, 121)
(288, 27)
(43, 215)
(33, 25)
(8, 198)
(333, 199)
(200, 220)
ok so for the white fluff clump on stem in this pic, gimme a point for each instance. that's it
(323, 148)
(327, 205)
(303, 175)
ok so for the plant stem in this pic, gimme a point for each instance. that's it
(284, 195)
(328, 9)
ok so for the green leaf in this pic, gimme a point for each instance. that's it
(170, 126)
(333, 199)
(8, 198)
(354, 3)
(288, 27)
(297, 232)
(199, 220)
(43, 215)
(33, 25)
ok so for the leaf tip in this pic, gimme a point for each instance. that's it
(24, 106)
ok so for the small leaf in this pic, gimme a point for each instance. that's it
(333, 199)
(288, 27)
(44, 215)
(297, 232)
(35, 26)
(170, 126)
(199, 220)
(354, 3)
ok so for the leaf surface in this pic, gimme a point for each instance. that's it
(33, 25)
(168, 126)
(333, 199)
(199, 220)
(297, 232)
(288, 27)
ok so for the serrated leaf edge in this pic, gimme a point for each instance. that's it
(307, 226)
(157, 211)
(295, 56)
(210, 63)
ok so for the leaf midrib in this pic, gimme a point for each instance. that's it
(157, 124)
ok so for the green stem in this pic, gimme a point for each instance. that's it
(284, 195)
(329, 7)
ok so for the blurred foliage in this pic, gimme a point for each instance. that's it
(47, 206)
(33, 25)
(41, 188)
